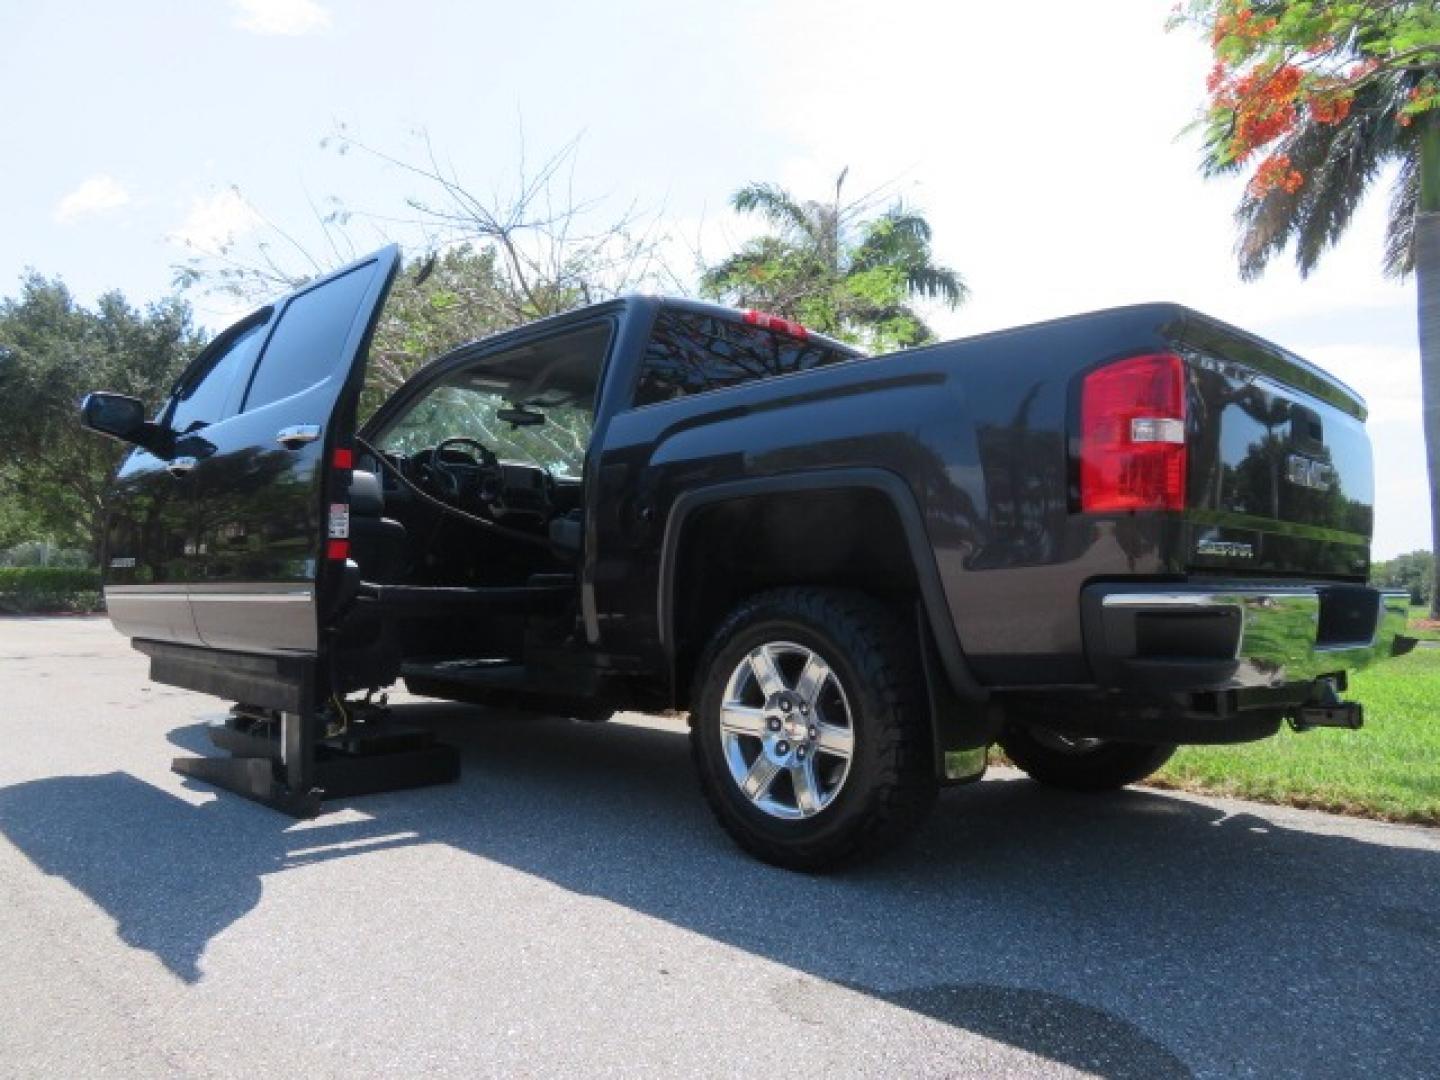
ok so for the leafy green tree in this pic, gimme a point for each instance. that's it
(837, 267)
(53, 351)
(1320, 101)
(17, 524)
(451, 298)
(1414, 571)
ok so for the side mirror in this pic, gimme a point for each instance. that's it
(120, 417)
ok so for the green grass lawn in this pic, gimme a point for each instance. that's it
(1388, 769)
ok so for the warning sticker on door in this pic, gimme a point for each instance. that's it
(339, 521)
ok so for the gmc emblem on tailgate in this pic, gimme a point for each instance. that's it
(1308, 473)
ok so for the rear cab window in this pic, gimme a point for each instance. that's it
(692, 352)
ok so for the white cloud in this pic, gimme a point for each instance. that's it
(289, 18)
(1056, 184)
(95, 195)
(214, 221)
(1387, 376)
(215, 311)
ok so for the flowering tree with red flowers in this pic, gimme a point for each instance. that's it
(1318, 101)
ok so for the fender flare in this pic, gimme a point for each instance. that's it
(933, 603)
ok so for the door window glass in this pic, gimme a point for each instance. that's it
(201, 398)
(305, 347)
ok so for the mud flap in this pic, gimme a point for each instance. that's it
(963, 729)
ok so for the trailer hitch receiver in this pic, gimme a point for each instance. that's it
(1325, 709)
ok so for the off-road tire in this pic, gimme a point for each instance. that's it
(1106, 767)
(873, 655)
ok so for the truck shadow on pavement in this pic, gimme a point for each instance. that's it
(1137, 934)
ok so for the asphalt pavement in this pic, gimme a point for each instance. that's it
(569, 908)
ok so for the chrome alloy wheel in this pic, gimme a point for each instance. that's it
(787, 730)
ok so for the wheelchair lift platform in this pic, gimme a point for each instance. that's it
(293, 762)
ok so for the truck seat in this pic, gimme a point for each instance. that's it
(377, 543)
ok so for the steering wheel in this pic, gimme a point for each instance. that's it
(487, 462)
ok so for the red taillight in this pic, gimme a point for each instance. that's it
(343, 458)
(777, 324)
(1132, 435)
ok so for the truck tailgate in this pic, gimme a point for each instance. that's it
(1280, 473)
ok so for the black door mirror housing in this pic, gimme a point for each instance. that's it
(120, 417)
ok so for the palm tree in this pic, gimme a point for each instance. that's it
(835, 268)
(1341, 162)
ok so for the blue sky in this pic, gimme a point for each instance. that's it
(1047, 154)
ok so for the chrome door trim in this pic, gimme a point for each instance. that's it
(273, 596)
(286, 596)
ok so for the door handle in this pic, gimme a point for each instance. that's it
(296, 436)
(181, 465)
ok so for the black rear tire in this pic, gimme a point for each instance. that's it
(1085, 764)
(871, 654)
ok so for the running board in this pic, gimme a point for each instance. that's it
(501, 683)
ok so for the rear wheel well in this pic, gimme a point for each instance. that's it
(846, 537)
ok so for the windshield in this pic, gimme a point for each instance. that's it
(555, 382)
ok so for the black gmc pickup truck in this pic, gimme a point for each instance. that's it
(1087, 540)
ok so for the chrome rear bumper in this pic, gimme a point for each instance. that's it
(1220, 637)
